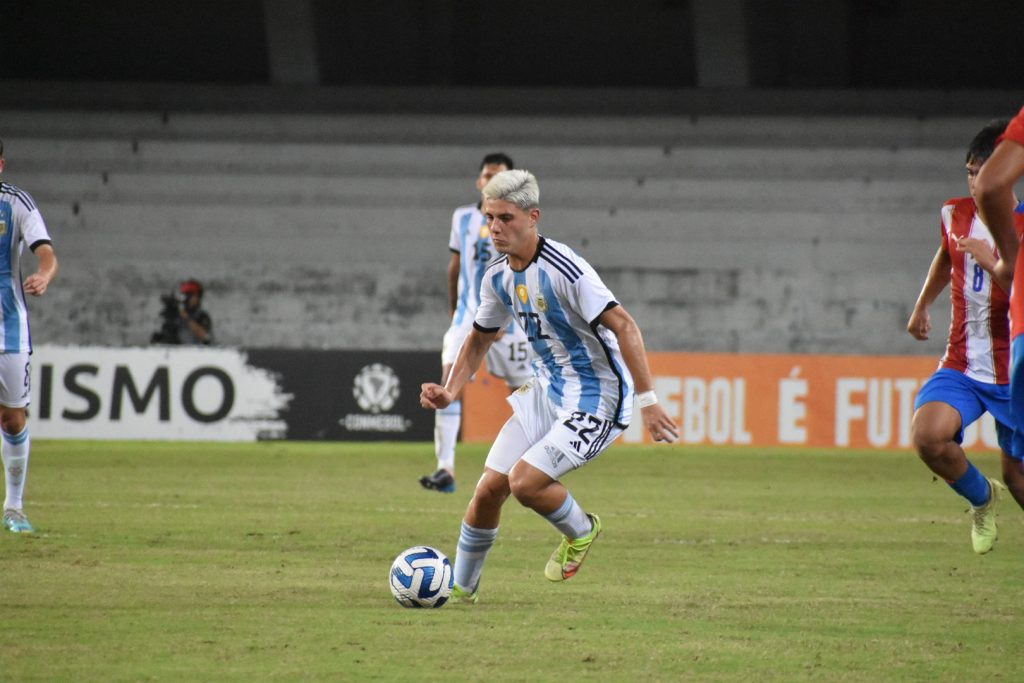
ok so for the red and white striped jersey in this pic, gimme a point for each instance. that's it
(979, 333)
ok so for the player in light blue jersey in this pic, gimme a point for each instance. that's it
(510, 357)
(20, 224)
(591, 360)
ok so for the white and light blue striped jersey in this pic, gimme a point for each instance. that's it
(471, 240)
(557, 300)
(20, 224)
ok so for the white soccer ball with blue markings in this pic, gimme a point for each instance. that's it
(421, 577)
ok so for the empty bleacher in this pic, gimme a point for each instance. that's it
(732, 233)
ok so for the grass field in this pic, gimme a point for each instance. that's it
(190, 562)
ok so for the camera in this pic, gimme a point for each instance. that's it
(170, 314)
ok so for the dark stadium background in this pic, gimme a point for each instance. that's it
(770, 44)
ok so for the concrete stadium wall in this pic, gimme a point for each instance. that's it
(719, 233)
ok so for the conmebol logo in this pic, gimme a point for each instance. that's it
(376, 388)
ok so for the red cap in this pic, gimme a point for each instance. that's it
(190, 287)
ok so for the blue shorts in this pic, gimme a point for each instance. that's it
(1017, 391)
(972, 399)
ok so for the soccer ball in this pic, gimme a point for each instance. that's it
(421, 577)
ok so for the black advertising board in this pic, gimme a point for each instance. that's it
(352, 395)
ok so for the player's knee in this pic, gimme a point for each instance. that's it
(929, 442)
(1013, 473)
(525, 488)
(525, 494)
(491, 492)
(12, 420)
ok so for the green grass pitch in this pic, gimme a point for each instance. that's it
(269, 561)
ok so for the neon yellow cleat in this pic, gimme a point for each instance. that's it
(983, 521)
(460, 596)
(569, 554)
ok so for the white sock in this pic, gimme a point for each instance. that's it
(446, 433)
(570, 519)
(474, 544)
(15, 457)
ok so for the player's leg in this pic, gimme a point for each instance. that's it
(14, 437)
(483, 515)
(997, 402)
(1015, 421)
(946, 404)
(571, 442)
(1010, 429)
(1013, 477)
(933, 431)
(547, 497)
(448, 420)
(15, 449)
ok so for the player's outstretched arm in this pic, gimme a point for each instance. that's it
(920, 323)
(631, 342)
(434, 396)
(994, 190)
(36, 283)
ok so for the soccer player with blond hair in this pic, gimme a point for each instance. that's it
(591, 366)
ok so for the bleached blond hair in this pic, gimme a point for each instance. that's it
(518, 187)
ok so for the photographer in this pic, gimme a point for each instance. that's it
(184, 320)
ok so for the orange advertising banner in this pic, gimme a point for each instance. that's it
(765, 400)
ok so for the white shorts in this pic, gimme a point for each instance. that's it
(509, 357)
(15, 380)
(553, 440)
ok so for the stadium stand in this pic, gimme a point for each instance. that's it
(729, 233)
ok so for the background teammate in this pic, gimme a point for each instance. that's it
(973, 375)
(590, 352)
(510, 357)
(22, 224)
